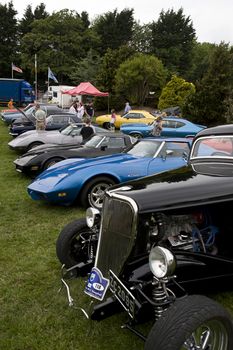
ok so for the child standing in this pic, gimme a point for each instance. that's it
(112, 120)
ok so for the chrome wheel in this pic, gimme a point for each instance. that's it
(136, 135)
(96, 194)
(211, 335)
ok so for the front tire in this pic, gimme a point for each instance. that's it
(34, 144)
(107, 126)
(136, 135)
(51, 162)
(70, 248)
(93, 192)
(194, 322)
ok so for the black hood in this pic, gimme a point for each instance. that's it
(183, 187)
(52, 147)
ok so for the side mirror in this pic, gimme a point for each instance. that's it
(104, 147)
(169, 152)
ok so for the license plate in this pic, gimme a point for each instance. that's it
(123, 295)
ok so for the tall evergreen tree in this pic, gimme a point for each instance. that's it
(86, 69)
(25, 24)
(114, 29)
(201, 53)
(8, 39)
(26, 21)
(40, 12)
(172, 40)
(210, 104)
(141, 35)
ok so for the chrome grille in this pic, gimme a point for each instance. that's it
(117, 233)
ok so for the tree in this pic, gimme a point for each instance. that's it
(25, 24)
(40, 12)
(138, 76)
(59, 40)
(172, 40)
(212, 101)
(141, 34)
(111, 62)
(107, 72)
(114, 29)
(8, 39)
(201, 53)
(175, 93)
(86, 69)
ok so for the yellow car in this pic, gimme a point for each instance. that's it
(134, 116)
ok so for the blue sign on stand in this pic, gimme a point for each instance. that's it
(96, 285)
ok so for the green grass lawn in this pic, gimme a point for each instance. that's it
(33, 315)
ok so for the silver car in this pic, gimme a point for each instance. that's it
(68, 135)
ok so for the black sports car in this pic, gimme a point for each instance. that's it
(101, 144)
(162, 239)
(55, 120)
(27, 113)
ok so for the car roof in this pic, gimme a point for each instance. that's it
(216, 130)
(171, 139)
(62, 114)
(112, 134)
(140, 111)
(176, 119)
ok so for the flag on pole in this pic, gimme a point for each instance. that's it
(51, 75)
(17, 69)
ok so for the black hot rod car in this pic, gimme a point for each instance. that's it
(163, 242)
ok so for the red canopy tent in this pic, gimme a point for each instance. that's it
(85, 89)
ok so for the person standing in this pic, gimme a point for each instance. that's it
(10, 104)
(74, 108)
(112, 120)
(80, 110)
(158, 127)
(90, 110)
(40, 116)
(127, 107)
(87, 130)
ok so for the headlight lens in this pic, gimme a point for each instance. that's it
(92, 217)
(162, 262)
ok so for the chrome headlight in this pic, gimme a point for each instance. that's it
(92, 217)
(162, 262)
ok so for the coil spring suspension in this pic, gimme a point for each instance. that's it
(159, 297)
(88, 242)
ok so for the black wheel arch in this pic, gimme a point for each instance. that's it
(47, 160)
(34, 144)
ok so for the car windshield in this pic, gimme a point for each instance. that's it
(145, 148)
(67, 130)
(29, 111)
(213, 146)
(94, 141)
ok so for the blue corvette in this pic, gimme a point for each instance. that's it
(172, 127)
(86, 180)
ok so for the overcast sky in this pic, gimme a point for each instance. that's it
(212, 19)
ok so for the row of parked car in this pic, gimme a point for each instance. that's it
(157, 234)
